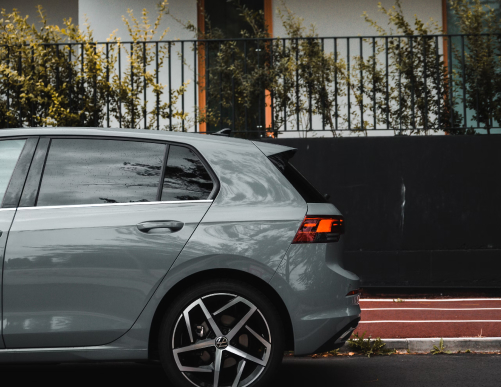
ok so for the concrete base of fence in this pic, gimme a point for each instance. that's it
(453, 344)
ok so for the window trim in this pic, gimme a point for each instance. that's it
(39, 174)
(109, 205)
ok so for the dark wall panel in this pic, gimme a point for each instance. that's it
(420, 211)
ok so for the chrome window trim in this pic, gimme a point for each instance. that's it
(8, 209)
(114, 204)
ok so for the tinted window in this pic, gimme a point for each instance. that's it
(185, 176)
(303, 186)
(9, 154)
(93, 171)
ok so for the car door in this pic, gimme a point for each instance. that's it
(10, 157)
(95, 233)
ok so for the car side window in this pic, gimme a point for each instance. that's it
(97, 171)
(186, 177)
(10, 150)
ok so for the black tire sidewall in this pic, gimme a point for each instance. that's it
(239, 288)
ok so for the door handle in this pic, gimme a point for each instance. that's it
(172, 225)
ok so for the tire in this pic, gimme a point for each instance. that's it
(234, 328)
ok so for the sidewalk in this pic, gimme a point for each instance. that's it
(418, 324)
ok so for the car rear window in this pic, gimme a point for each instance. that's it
(185, 176)
(309, 193)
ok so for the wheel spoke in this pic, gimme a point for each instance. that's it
(260, 338)
(235, 301)
(217, 366)
(245, 355)
(240, 369)
(188, 325)
(241, 323)
(194, 347)
(211, 321)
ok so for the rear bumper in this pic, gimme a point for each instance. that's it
(313, 286)
(339, 339)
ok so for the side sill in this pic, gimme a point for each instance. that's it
(71, 354)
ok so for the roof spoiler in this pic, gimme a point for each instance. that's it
(223, 132)
(278, 154)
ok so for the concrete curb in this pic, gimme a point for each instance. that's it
(453, 344)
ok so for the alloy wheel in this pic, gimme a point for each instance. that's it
(220, 340)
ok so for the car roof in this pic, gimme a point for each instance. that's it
(162, 135)
(116, 132)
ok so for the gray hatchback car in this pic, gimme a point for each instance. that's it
(210, 254)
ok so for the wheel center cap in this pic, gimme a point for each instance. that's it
(221, 342)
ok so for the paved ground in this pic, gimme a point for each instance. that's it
(397, 370)
(413, 318)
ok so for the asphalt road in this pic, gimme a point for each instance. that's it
(396, 370)
(413, 318)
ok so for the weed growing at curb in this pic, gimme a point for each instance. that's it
(398, 300)
(440, 349)
(369, 347)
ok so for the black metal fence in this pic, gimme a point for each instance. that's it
(259, 87)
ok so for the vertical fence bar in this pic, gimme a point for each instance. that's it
(324, 87)
(20, 73)
(82, 82)
(374, 81)
(96, 116)
(233, 106)
(157, 80)
(246, 126)
(413, 86)
(387, 83)
(451, 84)
(133, 121)
(207, 82)
(361, 49)
(120, 85)
(272, 94)
(349, 85)
(310, 115)
(195, 82)
(32, 106)
(400, 84)
(297, 84)
(284, 98)
(70, 78)
(170, 85)
(182, 83)
(439, 86)
(335, 87)
(8, 84)
(259, 103)
(464, 81)
(221, 91)
(425, 76)
(108, 81)
(145, 114)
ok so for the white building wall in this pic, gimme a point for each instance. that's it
(106, 16)
(344, 17)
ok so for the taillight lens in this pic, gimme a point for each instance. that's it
(320, 229)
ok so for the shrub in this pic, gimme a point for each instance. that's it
(60, 76)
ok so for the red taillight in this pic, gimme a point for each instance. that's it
(320, 229)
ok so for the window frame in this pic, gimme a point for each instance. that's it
(19, 175)
(34, 177)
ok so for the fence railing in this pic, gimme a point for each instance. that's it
(259, 87)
